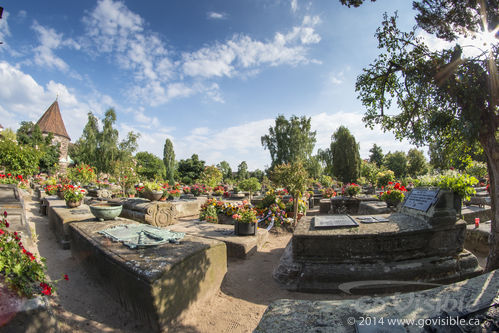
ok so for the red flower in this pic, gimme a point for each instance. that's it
(47, 290)
(5, 213)
(7, 224)
(2, 232)
(9, 174)
(390, 183)
(66, 277)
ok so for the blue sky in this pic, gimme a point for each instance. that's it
(210, 75)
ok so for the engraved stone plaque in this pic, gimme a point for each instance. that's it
(421, 199)
(334, 221)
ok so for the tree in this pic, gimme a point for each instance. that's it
(376, 155)
(416, 163)
(224, 167)
(18, 159)
(29, 134)
(251, 185)
(169, 161)
(211, 176)
(101, 148)
(149, 166)
(369, 170)
(397, 162)
(346, 156)
(289, 140)
(190, 169)
(326, 159)
(444, 93)
(446, 154)
(294, 178)
(258, 174)
(313, 166)
(242, 171)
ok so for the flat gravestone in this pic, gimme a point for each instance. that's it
(7, 194)
(421, 199)
(334, 221)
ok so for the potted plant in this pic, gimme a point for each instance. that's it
(251, 185)
(393, 194)
(50, 189)
(73, 196)
(131, 192)
(153, 191)
(351, 189)
(245, 222)
(218, 191)
(174, 194)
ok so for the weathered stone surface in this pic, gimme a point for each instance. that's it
(237, 246)
(324, 206)
(60, 217)
(19, 314)
(373, 207)
(348, 205)
(339, 316)
(13, 203)
(402, 239)
(471, 212)
(477, 239)
(155, 284)
(313, 276)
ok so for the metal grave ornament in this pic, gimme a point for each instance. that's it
(141, 235)
(334, 221)
(421, 199)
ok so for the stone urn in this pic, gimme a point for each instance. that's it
(106, 210)
(154, 195)
(73, 204)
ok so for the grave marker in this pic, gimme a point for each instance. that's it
(421, 199)
(334, 221)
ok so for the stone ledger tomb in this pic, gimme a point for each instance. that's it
(422, 243)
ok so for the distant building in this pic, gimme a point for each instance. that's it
(51, 122)
(1, 127)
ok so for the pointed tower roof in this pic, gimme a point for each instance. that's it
(51, 121)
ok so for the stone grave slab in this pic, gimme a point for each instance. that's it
(237, 246)
(477, 239)
(334, 221)
(453, 300)
(469, 213)
(12, 202)
(60, 217)
(155, 284)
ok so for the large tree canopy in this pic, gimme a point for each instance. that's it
(101, 148)
(440, 93)
(289, 140)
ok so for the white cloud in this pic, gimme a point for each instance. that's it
(160, 75)
(294, 5)
(216, 16)
(50, 40)
(242, 52)
(326, 124)
(22, 98)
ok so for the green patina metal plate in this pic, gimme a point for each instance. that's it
(141, 235)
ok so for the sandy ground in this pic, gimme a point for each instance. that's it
(82, 305)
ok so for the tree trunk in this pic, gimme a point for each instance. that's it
(295, 206)
(491, 149)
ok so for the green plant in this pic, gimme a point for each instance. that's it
(19, 267)
(328, 192)
(384, 177)
(393, 194)
(211, 176)
(461, 184)
(50, 189)
(73, 194)
(247, 215)
(326, 181)
(351, 189)
(251, 185)
(152, 186)
(209, 214)
(174, 193)
(82, 173)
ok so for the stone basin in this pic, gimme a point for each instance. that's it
(106, 210)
